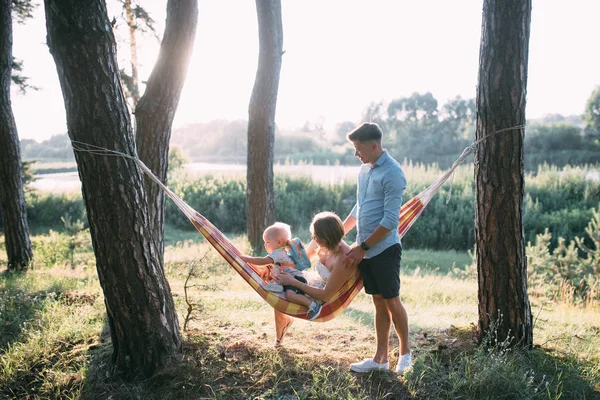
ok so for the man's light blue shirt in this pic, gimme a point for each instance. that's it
(378, 201)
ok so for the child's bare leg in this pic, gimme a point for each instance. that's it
(294, 297)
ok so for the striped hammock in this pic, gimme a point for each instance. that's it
(409, 213)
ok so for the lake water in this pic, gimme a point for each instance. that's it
(325, 174)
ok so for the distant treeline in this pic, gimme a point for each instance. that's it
(558, 199)
(415, 129)
(56, 149)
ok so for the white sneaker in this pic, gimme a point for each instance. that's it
(368, 365)
(274, 287)
(404, 363)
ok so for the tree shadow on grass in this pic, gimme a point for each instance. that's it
(567, 374)
(214, 366)
(450, 364)
(35, 366)
(17, 307)
(100, 380)
(361, 317)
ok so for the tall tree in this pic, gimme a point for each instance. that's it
(142, 318)
(504, 307)
(138, 20)
(131, 25)
(592, 115)
(260, 211)
(12, 198)
(22, 11)
(156, 109)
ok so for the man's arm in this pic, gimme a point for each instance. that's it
(393, 190)
(378, 234)
(357, 253)
(349, 223)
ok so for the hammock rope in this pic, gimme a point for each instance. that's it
(409, 212)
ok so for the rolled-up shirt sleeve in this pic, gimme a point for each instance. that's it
(393, 189)
(353, 212)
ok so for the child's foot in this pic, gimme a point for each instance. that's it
(274, 287)
(283, 331)
(314, 310)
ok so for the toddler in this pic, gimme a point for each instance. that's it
(276, 237)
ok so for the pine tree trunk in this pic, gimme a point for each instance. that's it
(156, 109)
(504, 307)
(141, 314)
(260, 211)
(12, 198)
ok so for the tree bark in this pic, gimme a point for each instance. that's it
(261, 123)
(504, 309)
(141, 314)
(12, 198)
(155, 111)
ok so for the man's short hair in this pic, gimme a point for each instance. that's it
(366, 132)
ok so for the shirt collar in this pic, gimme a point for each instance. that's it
(381, 160)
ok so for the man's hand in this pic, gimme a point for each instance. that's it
(354, 256)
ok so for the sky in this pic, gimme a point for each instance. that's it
(340, 56)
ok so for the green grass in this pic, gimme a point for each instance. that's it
(174, 235)
(434, 262)
(54, 341)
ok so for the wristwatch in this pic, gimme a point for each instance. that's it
(364, 246)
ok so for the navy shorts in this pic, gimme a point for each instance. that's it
(381, 274)
(293, 288)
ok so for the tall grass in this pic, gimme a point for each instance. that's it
(54, 341)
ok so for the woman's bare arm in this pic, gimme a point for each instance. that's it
(339, 276)
(311, 249)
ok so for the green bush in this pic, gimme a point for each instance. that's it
(571, 269)
(223, 201)
(561, 200)
(46, 210)
(561, 158)
(51, 250)
(298, 200)
(312, 157)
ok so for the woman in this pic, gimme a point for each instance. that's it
(327, 233)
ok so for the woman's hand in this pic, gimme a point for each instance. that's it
(275, 273)
(284, 278)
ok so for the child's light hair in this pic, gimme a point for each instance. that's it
(279, 230)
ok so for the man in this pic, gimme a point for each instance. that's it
(381, 184)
